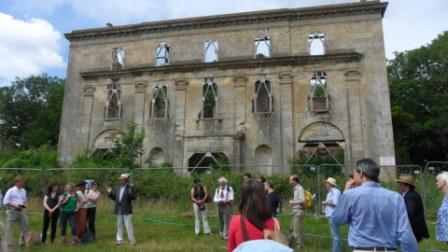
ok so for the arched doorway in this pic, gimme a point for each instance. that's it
(156, 157)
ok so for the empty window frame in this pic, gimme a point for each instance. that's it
(118, 56)
(318, 98)
(209, 98)
(162, 54)
(262, 47)
(159, 102)
(113, 104)
(263, 97)
(316, 42)
(211, 49)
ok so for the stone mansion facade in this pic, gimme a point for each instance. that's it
(256, 88)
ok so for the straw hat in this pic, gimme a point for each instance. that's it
(331, 181)
(124, 176)
(407, 179)
(222, 180)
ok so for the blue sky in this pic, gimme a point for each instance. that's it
(32, 41)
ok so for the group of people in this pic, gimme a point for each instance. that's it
(379, 219)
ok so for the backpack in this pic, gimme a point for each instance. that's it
(86, 236)
(308, 200)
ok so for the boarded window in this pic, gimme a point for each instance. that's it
(263, 97)
(211, 51)
(113, 104)
(263, 47)
(318, 92)
(118, 56)
(159, 102)
(316, 43)
(162, 54)
(209, 98)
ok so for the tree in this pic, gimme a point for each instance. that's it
(30, 109)
(418, 81)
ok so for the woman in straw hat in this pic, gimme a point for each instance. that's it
(414, 206)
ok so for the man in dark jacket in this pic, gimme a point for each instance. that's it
(123, 197)
(414, 206)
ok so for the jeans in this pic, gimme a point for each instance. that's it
(127, 219)
(334, 230)
(71, 219)
(198, 216)
(50, 219)
(224, 218)
(15, 216)
(91, 216)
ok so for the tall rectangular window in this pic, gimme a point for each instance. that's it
(118, 56)
(263, 47)
(209, 98)
(211, 49)
(162, 54)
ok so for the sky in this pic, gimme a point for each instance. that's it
(32, 31)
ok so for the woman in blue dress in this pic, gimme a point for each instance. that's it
(442, 214)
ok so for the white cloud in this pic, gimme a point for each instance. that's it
(27, 47)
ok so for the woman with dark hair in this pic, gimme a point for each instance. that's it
(199, 197)
(255, 216)
(51, 203)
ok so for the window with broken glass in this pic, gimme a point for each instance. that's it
(318, 99)
(262, 47)
(159, 102)
(209, 98)
(211, 51)
(162, 54)
(113, 105)
(118, 56)
(316, 42)
(262, 103)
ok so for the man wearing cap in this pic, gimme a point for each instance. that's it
(15, 202)
(414, 206)
(123, 197)
(376, 216)
(223, 199)
(330, 204)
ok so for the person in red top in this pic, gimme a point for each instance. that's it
(256, 214)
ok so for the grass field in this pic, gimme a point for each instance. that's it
(168, 226)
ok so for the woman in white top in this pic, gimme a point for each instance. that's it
(93, 195)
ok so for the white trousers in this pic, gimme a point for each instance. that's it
(127, 219)
(13, 217)
(198, 216)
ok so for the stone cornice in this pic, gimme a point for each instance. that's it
(228, 64)
(246, 18)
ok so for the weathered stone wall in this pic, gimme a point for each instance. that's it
(356, 84)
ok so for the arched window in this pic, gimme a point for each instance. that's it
(159, 102)
(318, 92)
(118, 56)
(209, 98)
(211, 51)
(113, 105)
(262, 47)
(162, 54)
(316, 43)
(263, 97)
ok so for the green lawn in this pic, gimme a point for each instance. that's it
(165, 226)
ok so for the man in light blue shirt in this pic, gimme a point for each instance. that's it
(377, 217)
(330, 204)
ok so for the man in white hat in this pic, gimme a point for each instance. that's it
(330, 203)
(223, 199)
(123, 197)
